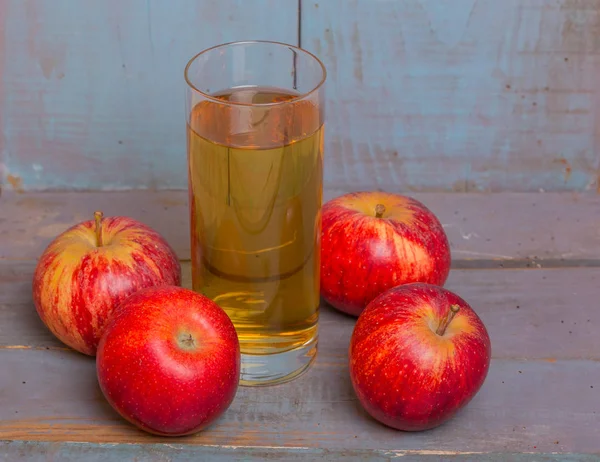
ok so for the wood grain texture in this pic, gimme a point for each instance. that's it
(74, 452)
(524, 406)
(463, 95)
(528, 313)
(469, 95)
(509, 229)
(539, 402)
(92, 93)
(3, 152)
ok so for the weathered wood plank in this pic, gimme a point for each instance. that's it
(92, 93)
(529, 313)
(539, 401)
(509, 228)
(468, 95)
(523, 407)
(485, 95)
(173, 452)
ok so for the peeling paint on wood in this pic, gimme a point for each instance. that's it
(468, 95)
(93, 97)
(15, 182)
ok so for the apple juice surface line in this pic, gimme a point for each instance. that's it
(255, 175)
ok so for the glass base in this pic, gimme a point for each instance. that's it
(274, 369)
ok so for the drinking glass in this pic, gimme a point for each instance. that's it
(255, 118)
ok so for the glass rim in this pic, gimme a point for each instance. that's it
(249, 42)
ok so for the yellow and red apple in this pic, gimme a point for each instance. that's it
(372, 241)
(418, 354)
(90, 268)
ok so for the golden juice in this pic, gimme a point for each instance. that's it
(255, 158)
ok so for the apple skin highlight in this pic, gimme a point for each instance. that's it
(373, 241)
(418, 354)
(169, 361)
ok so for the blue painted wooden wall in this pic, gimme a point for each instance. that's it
(426, 94)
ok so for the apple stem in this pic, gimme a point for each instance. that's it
(98, 217)
(186, 341)
(441, 330)
(379, 210)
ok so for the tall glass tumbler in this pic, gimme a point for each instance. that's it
(255, 114)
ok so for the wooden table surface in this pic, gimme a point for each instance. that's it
(529, 264)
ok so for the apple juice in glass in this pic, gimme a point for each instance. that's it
(255, 173)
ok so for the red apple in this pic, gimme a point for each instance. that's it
(90, 268)
(418, 354)
(169, 361)
(373, 241)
